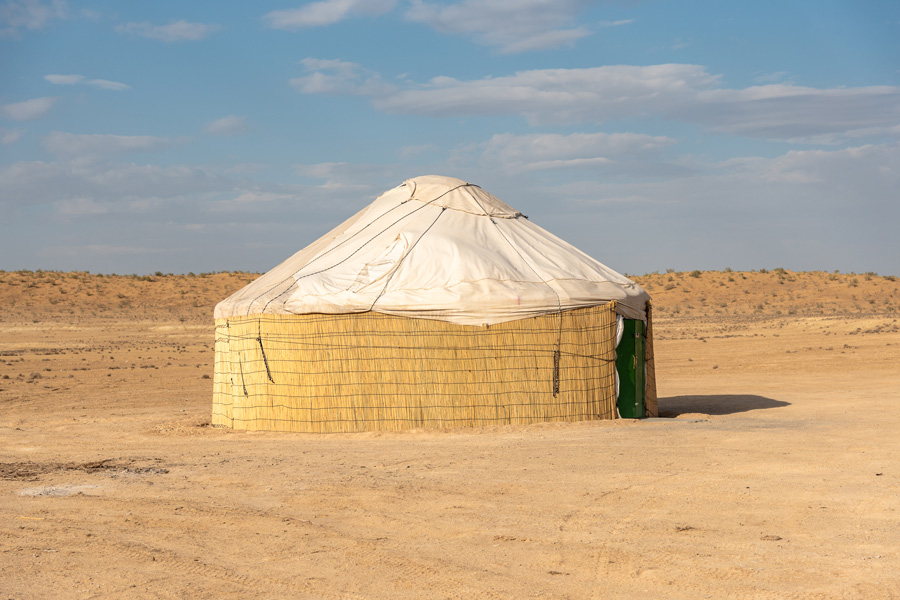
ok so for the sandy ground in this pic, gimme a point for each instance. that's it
(774, 472)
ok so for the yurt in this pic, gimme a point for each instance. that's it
(437, 305)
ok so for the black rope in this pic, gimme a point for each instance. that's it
(241, 367)
(558, 308)
(228, 341)
(263, 350)
(328, 251)
(555, 373)
(297, 280)
(402, 258)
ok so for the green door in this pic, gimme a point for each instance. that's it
(630, 366)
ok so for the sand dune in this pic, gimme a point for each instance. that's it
(772, 474)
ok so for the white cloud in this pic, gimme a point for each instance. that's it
(417, 150)
(100, 187)
(617, 156)
(326, 12)
(90, 14)
(851, 135)
(842, 169)
(29, 110)
(230, 125)
(338, 77)
(802, 210)
(16, 15)
(618, 23)
(680, 92)
(251, 200)
(108, 85)
(342, 177)
(542, 40)
(557, 95)
(81, 206)
(81, 79)
(511, 26)
(9, 136)
(111, 250)
(542, 151)
(245, 168)
(125, 211)
(176, 31)
(324, 170)
(825, 186)
(89, 147)
(784, 111)
(64, 79)
(776, 77)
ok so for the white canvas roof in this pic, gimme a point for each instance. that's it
(438, 248)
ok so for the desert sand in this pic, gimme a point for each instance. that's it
(773, 472)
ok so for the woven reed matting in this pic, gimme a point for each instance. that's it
(369, 371)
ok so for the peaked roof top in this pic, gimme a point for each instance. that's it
(456, 194)
(437, 248)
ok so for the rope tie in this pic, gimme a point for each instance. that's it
(241, 367)
(555, 373)
(263, 350)
(558, 307)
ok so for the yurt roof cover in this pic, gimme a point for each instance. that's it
(437, 248)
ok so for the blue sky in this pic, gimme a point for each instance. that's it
(201, 136)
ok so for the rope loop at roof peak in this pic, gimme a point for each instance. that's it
(456, 194)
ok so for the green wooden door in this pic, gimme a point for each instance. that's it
(630, 366)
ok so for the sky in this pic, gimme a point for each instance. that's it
(202, 136)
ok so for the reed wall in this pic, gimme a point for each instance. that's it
(369, 371)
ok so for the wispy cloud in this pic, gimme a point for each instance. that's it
(342, 177)
(417, 150)
(679, 92)
(557, 95)
(29, 110)
(112, 250)
(9, 136)
(837, 206)
(776, 77)
(90, 14)
(89, 147)
(808, 179)
(251, 200)
(82, 80)
(230, 125)
(176, 31)
(81, 206)
(784, 111)
(848, 136)
(542, 151)
(114, 187)
(16, 15)
(511, 26)
(618, 23)
(326, 12)
(339, 77)
(245, 168)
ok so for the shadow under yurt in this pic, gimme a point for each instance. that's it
(437, 305)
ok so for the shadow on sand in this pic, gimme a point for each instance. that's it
(725, 404)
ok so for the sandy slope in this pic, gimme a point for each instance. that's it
(774, 474)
